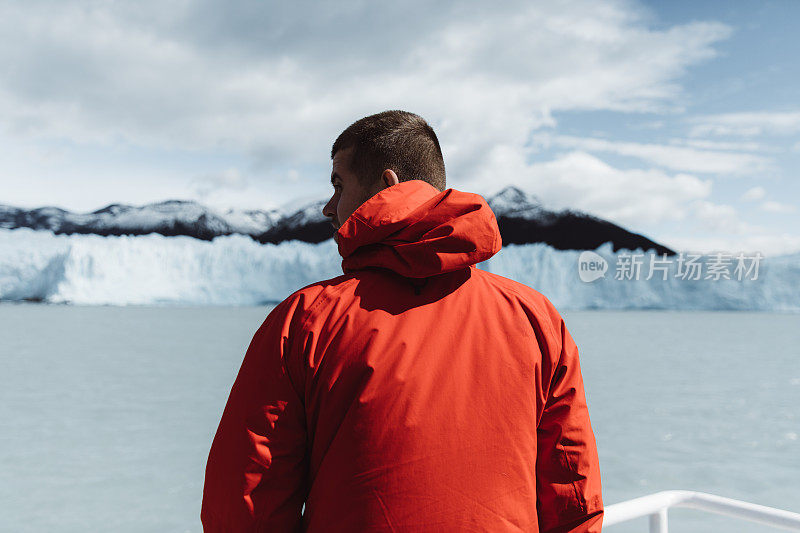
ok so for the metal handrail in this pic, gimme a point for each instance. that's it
(656, 505)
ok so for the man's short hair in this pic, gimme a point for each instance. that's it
(397, 140)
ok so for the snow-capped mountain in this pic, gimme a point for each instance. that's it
(522, 219)
(514, 203)
(169, 218)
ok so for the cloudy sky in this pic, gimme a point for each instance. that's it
(679, 120)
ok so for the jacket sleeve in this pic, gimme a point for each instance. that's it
(255, 478)
(569, 496)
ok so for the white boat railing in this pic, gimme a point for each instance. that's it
(656, 505)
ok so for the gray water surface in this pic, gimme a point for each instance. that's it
(108, 413)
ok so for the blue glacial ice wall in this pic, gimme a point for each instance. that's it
(235, 270)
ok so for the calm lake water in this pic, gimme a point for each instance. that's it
(108, 413)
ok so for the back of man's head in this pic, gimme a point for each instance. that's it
(396, 140)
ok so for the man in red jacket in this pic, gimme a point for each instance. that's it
(415, 392)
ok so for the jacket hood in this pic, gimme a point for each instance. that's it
(416, 230)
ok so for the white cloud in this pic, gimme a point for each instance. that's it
(674, 209)
(279, 81)
(753, 194)
(682, 158)
(719, 218)
(777, 207)
(719, 228)
(769, 244)
(230, 178)
(271, 85)
(746, 124)
(579, 180)
(705, 144)
(758, 193)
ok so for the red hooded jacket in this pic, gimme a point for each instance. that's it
(415, 392)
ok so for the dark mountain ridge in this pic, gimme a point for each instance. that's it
(521, 218)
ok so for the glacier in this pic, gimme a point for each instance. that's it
(234, 269)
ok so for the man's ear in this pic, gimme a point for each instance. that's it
(389, 178)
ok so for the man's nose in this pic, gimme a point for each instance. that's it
(329, 210)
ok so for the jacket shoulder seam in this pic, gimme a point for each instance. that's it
(324, 296)
(526, 298)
